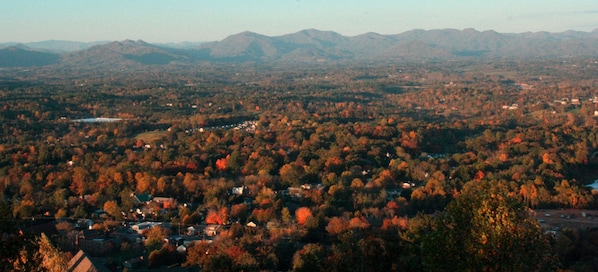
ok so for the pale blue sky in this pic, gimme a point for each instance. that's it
(199, 20)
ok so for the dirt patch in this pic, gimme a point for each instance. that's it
(151, 136)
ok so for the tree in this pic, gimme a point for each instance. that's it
(285, 215)
(337, 225)
(111, 207)
(12, 242)
(309, 258)
(484, 229)
(51, 258)
(166, 255)
(221, 164)
(290, 174)
(155, 238)
(214, 217)
(197, 254)
(80, 178)
(302, 214)
(239, 211)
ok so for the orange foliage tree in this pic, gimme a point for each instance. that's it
(214, 217)
(336, 225)
(221, 164)
(359, 222)
(302, 214)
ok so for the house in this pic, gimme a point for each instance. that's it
(175, 240)
(141, 198)
(192, 230)
(525, 86)
(294, 192)
(81, 262)
(141, 227)
(407, 185)
(211, 230)
(511, 107)
(165, 202)
(84, 224)
(242, 190)
(100, 213)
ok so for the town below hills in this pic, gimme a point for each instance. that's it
(306, 46)
(440, 150)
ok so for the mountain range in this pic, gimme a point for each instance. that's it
(307, 46)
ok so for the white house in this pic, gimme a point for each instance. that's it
(139, 228)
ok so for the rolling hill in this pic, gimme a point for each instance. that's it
(22, 56)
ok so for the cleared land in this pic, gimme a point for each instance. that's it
(151, 136)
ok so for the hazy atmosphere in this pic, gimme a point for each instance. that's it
(175, 21)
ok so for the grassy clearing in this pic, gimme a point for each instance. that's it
(151, 136)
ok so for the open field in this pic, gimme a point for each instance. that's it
(150, 136)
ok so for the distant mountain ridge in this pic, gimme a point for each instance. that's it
(22, 56)
(309, 45)
(120, 53)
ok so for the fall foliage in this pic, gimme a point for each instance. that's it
(303, 167)
(302, 214)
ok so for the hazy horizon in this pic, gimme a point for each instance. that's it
(201, 21)
(207, 41)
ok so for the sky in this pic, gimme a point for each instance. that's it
(200, 20)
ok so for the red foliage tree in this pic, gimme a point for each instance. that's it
(479, 175)
(214, 217)
(302, 214)
(221, 164)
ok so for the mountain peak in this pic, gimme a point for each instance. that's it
(470, 30)
(132, 42)
(248, 34)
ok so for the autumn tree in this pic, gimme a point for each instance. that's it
(214, 217)
(485, 229)
(111, 208)
(302, 214)
(309, 258)
(155, 238)
(366, 252)
(167, 255)
(290, 174)
(12, 242)
(197, 254)
(337, 225)
(221, 164)
(51, 258)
